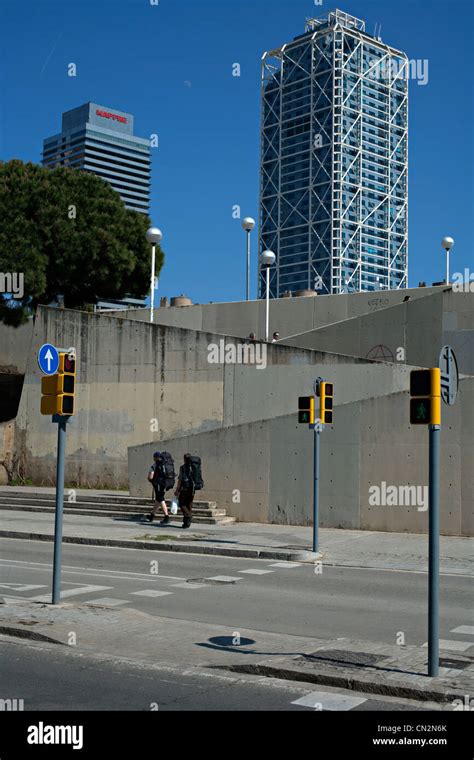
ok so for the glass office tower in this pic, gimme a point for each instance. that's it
(334, 161)
(100, 140)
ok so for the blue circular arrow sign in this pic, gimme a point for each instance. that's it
(48, 359)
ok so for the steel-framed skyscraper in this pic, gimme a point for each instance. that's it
(334, 160)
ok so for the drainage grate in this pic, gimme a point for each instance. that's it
(345, 657)
(451, 662)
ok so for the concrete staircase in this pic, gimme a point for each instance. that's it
(107, 505)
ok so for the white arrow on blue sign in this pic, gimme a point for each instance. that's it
(48, 359)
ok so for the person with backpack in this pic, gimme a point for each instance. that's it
(162, 477)
(189, 481)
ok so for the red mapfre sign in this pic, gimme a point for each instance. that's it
(109, 115)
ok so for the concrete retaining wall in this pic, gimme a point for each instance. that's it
(139, 382)
(419, 326)
(262, 471)
(288, 316)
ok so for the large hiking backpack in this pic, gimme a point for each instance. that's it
(165, 470)
(195, 473)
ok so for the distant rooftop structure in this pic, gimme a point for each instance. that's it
(335, 17)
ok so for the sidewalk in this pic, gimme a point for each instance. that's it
(191, 647)
(347, 548)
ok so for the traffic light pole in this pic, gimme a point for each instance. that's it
(316, 489)
(433, 560)
(58, 519)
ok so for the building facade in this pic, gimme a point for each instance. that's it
(334, 161)
(100, 140)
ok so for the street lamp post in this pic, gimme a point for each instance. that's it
(153, 236)
(248, 224)
(267, 259)
(447, 243)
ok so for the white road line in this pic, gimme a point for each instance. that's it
(467, 629)
(286, 565)
(254, 571)
(121, 574)
(150, 592)
(20, 587)
(328, 565)
(107, 601)
(455, 646)
(325, 700)
(190, 585)
(71, 592)
(223, 578)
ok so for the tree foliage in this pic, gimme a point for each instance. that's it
(70, 235)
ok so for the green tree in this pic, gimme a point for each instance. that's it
(69, 233)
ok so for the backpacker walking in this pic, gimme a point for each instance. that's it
(189, 481)
(162, 477)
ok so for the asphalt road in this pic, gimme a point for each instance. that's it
(50, 678)
(261, 595)
(241, 593)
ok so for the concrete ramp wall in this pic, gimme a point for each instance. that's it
(138, 382)
(262, 471)
(288, 316)
(419, 326)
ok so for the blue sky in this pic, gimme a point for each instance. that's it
(171, 66)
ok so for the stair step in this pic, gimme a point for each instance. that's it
(140, 504)
(104, 510)
(202, 519)
(106, 498)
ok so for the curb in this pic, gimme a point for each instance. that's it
(280, 554)
(23, 633)
(361, 684)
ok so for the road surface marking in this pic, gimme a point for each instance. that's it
(467, 629)
(328, 565)
(253, 571)
(325, 700)
(107, 601)
(286, 565)
(150, 592)
(455, 646)
(90, 571)
(71, 592)
(20, 587)
(190, 585)
(224, 578)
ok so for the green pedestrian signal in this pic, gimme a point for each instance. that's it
(425, 390)
(306, 410)
(420, 411)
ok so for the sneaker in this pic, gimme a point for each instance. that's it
(150, 517)
(165, 520)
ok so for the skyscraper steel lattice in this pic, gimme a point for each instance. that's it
(334, 160)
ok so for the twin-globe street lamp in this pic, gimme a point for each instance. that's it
(447, 243)
(267, 260)
(248, 224)
(154, 236)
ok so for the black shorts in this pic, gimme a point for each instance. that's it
(185, 498)
(159, 491)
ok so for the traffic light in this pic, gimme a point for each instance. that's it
(326, 399)
(306, 410)
(58, 390)
(425, 392)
